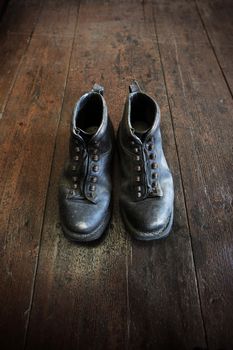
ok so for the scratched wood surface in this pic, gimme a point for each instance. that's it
(217, 20)
(28, 131)
(201, 107)
(116, 293)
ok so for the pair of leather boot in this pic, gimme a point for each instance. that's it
(85, 190)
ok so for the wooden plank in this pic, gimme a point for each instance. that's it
(14, 43)
(28, 132)
(201, 107)
(117, 293)
(217, 17)
(161, 276)
(80, 295)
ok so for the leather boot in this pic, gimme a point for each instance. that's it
(85, 186)
(147, 193)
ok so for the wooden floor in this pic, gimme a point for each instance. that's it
(118, 293)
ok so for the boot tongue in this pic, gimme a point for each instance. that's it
(141, 134)
(88, 133)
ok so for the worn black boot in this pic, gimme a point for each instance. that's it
(147, 194)
(85, 186)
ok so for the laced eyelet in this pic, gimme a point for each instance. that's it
(95, 168)
(138, 179)
(94, 179)
(139, 194)
(95, 157)
(137, 158)
(76, 158)
(136, 149)
(150, 147)
(73, 167)
(75, 186)
(154, 165)
(77, 149)
(92, 188)
(151, 156)
(138, 168)
(74, 178)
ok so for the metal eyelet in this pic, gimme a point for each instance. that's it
(94, 179)
(139, 194)
(95, 168)
(151, 156)
(76, 158)
(138, 168)
(95, 157)
(92, 188)
(154, 165)
(138, 179)
(150, 147)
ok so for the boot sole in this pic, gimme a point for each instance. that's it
(88, 237)
(149, 236)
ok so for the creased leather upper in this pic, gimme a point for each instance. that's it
(88, 167)
(146, 207)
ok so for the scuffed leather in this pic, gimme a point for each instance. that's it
(84, 213)
(150, 215)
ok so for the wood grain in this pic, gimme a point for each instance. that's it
(117, 293)
(162, 283)
(28, 132)
(14, 43)
(217, 18)
(80, 295)
(201, 107)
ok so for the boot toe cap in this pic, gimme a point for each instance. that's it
(146, 220)
(83, 222)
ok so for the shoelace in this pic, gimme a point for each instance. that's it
(150, 156)
(74, 167)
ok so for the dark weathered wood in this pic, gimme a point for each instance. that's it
(80, 295)
(161, 276)
(117, 293)
(28, 132)
(14, 43)
(217, 17)
(201, 107)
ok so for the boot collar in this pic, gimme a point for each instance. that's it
(76, 132)
(130, 129)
